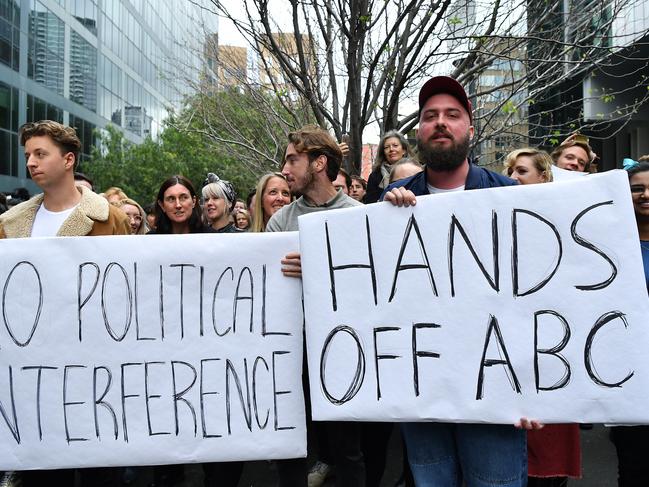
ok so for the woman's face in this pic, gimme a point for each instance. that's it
(525, 172)
(276, 195)
(393, 149)
(242, 221)
(134, 217)
(177, 203)
(640, 193)
(215, 208)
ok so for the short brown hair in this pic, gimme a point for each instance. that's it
(556, 153)
(317, 142)
(64, 137)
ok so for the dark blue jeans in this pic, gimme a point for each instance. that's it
(482, 455)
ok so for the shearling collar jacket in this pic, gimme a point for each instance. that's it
(92, 216)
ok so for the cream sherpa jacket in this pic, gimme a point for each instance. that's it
(93, 216)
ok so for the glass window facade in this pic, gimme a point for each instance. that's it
(90, 63)
(9, 33)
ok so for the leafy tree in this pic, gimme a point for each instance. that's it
(139, 169)
(353, 63)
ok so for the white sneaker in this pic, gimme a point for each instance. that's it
(318, 474)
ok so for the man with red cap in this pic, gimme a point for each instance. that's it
(446, 454)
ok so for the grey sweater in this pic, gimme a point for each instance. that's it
(285, 220)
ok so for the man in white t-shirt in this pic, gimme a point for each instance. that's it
(64, 209)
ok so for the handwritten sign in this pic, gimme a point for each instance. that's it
(149, 350)
(480, 306)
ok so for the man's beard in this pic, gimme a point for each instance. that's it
(305, 183)
(438, 158)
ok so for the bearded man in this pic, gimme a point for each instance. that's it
(449, 454)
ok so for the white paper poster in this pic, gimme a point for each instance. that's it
(137, 350)
(480, 306)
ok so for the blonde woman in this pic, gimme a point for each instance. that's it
(136, 216)
(272, 194)
(528, 166)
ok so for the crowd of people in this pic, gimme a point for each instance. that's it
(311, 178)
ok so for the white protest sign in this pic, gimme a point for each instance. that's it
(559, 174)
(137, 350)
(480, 306)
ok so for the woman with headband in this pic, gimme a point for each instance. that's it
(219, 199)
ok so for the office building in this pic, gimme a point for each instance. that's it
(88, 63)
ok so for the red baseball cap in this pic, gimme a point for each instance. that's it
(448, 85)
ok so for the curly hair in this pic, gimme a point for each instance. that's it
(64, 137)
(317, 142)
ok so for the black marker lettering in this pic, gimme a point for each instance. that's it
(230, 371)
(565, 379)
(412, 224)
(204, 393)
(125, 396)
(546, 279)
(179, 396)
(66, 403)
(13, 426)
(603, 320)
(359, 375)
(263, 308)
(333, 268)
(277, 393)
(238, 297)
(99, 401)
(128, 301)
(182, 295)
(39, 377)
(378, 356)
(502, 351)
(148, 396)
(416, 353)
(216, 288)
(586, 244)
(80, 303)
(137, 312)
(494, 281)
(254, 392)
(38, 308)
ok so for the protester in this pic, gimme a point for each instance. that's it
(574, 154)
(64, 209)
(358, 188)
(630, 441)
(219, 197)
(84, 180)
(135, 214)
(250, 203)
(554, 452)
(405, 168)
(178, 212)
(528, 166)
(446, 454)
(242, 220)
(149, 210)
(275, 194)
(239, 205)
(177, 209)
(114, 195)
(392, 147)
(311, 164)
(343, 181)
